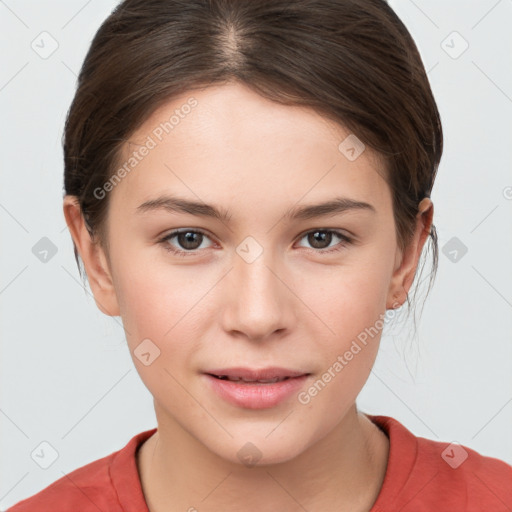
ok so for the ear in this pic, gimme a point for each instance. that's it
(406, 262)
(94, 258)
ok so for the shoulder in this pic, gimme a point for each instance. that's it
(478, 481)
(86, 489)
(424, 475)
(104, 484)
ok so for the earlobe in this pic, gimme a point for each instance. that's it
(405, 269)
(94, 258)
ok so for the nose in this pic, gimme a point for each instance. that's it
(260, 302)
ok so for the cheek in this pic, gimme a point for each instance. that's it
(161, 305)
(346, 362)
(151, 296)
(158, 311)
(349, 303)
(349, 297)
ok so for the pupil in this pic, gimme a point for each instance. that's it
(319, 237)
(187, 239)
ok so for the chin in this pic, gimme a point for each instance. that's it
(252, 451)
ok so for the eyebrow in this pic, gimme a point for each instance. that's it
(175, 204)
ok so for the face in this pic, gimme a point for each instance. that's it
(260, 285)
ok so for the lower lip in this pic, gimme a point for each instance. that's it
(256, 396)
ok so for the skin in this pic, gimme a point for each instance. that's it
(291, 307)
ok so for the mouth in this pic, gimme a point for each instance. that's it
(252, 381)
(262, 376)
(256, 389)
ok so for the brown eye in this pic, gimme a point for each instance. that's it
(322, 238)
(318, 238)
(188, 241)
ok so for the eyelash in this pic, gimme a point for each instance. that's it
(342, 245)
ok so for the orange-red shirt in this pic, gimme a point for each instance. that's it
(422, 475)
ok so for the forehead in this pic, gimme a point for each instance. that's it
(227, 141)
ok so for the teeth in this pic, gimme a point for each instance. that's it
(265, 381)
(243, 379)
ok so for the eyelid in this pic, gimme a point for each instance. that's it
(341, 232)
(171, 234)
(345, 241)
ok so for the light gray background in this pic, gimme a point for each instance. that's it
(66, 374)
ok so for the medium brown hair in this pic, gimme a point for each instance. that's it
(352, 61)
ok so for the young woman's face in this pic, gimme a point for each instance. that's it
(262, 287)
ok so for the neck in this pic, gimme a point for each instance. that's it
(344, 471)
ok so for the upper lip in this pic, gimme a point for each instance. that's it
(256, 374)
